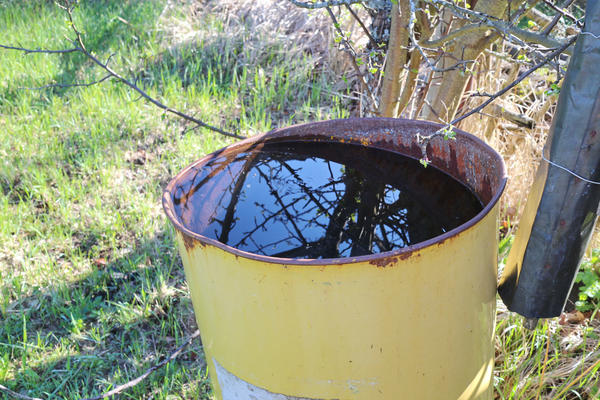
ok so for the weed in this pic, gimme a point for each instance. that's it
(589, 279)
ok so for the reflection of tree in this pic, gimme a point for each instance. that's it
(347, 214)
(302, 200)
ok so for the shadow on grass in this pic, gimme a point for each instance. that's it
(108, 27)
(104, 328)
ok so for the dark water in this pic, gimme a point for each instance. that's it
(320, 200)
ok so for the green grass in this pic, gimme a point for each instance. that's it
(555, 361)
(91, 288)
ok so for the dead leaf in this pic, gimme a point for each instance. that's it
(575, 317)
(100, 262)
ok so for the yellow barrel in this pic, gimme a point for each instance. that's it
(416, 323)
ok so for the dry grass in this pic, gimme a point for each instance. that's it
(559, 360)
(261, 25)
(521, 147)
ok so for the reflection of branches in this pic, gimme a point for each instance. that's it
(275, 202)
(283, 206)
(342, 210)
(228, 221)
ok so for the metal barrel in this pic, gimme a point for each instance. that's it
(415, 323)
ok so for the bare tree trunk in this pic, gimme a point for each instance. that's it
(444, 97)
(397, 57)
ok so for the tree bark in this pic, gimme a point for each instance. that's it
(447, 89)
(397, 57)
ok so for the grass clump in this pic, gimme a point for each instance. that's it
(560, 359)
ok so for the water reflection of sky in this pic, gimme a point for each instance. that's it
(286, 204)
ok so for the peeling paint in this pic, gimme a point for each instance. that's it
(234, 388)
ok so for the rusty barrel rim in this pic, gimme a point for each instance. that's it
(367, 124)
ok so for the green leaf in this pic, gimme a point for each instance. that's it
(449, 133)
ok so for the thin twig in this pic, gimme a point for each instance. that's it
(351, 52)
(555, 21)
(140, 378)
(381, 4)
(564, 12)
(46, 51)
(69, 10)
(446, 131)
(524, 75)
(411, 30)
(16, 395)
(510, 32)
(362, 25)
(68, 85)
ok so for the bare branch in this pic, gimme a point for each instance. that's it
(68, 7)
(132, 85)
(45, 51)
(379, 4)
(519, 119)
(510, 32)
(532, 37)
(524, 75)
(415, 43)
(352, 53)
(528, 8)
(68, 85)
(548, 27)
(140, 378)
(16, 395)
(447, 130)
(564, 12)
(362, 25)
(452, 35)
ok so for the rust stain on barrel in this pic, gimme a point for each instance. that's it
(189, 242)
(382, 262)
